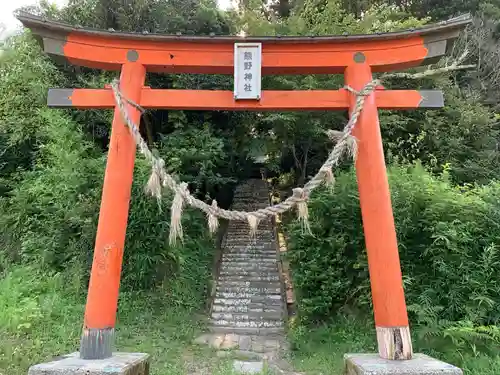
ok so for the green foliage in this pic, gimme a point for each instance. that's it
(50, 213)
(53, 171)
(331, 18)
(25, 77)
(41, 315)
(195, 154)
(191, 17)
(449, 240)
(462, 137)
(148, 257)
(320, 349)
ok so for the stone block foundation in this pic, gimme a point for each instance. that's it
(421, 364)
(118, 364)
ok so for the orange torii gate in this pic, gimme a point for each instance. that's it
(357, 57)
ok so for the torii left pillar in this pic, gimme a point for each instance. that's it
(97, 340)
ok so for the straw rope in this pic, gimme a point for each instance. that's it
(346, 145)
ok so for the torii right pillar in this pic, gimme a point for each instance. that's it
(395, 353)
(391, 318)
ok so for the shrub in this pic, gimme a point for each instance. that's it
(50, 188)
(449, 239)
(149, 258)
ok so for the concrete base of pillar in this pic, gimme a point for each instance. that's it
(421, 364)
(118, 364)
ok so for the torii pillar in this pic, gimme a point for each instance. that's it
(357, 57)
(389, 307)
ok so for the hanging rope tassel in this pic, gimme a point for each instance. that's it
(349, 142)
(213, 221)
(352, 146)
(334, 135)
(176, 216)
(301, 199)
(253, 222)
(155, 183)
(328, 177)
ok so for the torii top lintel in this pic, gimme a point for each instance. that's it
(109, 50)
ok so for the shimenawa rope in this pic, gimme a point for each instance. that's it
(346, 144)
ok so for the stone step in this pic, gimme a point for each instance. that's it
(250, 250)
(251, 300)
(270, 305)
(249, 273)
(243, 224)
(242, 260)
(252, 264)
(223, 278)
(247, 323)
(263, 223)
(245, 248)
(244, 257)
(248, 317)
(249, 266)
(242, 247)
(253, 297)
(249, 293)
(246, 240)
(248, 331)
(251, 284)
(244, 237)
(228, 295)
(269, 248)
(244, 234)
(242, 251)
(256, 260)
(253, 256)
(248, 261)
(250, 276)
(248, 308)
(245, 228)
(249, 290)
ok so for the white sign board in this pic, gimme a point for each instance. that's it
(247, 70)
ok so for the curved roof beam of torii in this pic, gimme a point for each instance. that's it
(215, 54)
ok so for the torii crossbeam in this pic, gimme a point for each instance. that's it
(357, 57)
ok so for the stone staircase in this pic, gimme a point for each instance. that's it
(248, 310)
